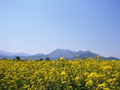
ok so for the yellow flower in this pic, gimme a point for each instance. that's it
(77, 78)
(107, 89)
(107, 68)
(70, 87)
(86, 74)
(48, 85)
(29, 89)
(101, 86)
(62, 58)
(2, 84)
(64, 82)
(46, 78)
(78, 56)
(93, 76)
(63, 73)
(89, 83)
(98, 57)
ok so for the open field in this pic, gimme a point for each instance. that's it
(89, 74)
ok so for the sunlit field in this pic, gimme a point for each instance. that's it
(77, 74)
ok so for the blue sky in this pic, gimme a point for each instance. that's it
(41, 26)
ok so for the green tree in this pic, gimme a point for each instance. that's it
(4, 58)
(18, 58)
(40, 59)
(47, 59)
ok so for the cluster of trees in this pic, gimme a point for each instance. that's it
(47, 59)
(19, 59)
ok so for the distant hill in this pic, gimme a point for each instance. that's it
(12, 54)
(4, 56)
(62, 53)
(56, 54)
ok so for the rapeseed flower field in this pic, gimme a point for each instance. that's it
(77, 74)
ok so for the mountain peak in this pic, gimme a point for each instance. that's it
(87, 51)
(59, 49)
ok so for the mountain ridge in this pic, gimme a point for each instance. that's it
(55, 54)
(12, 53)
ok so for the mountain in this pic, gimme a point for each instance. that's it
(114, 58)
(4, 53)
(56, 54)
(12, 54)
(62, 53)
(39, 56)
(4, 56)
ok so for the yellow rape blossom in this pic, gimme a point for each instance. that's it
(63, 73)
(75, 74)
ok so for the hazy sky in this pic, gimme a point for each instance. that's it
(41, 26)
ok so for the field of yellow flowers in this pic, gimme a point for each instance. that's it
(79, 74)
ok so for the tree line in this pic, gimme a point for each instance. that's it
(19, 59)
